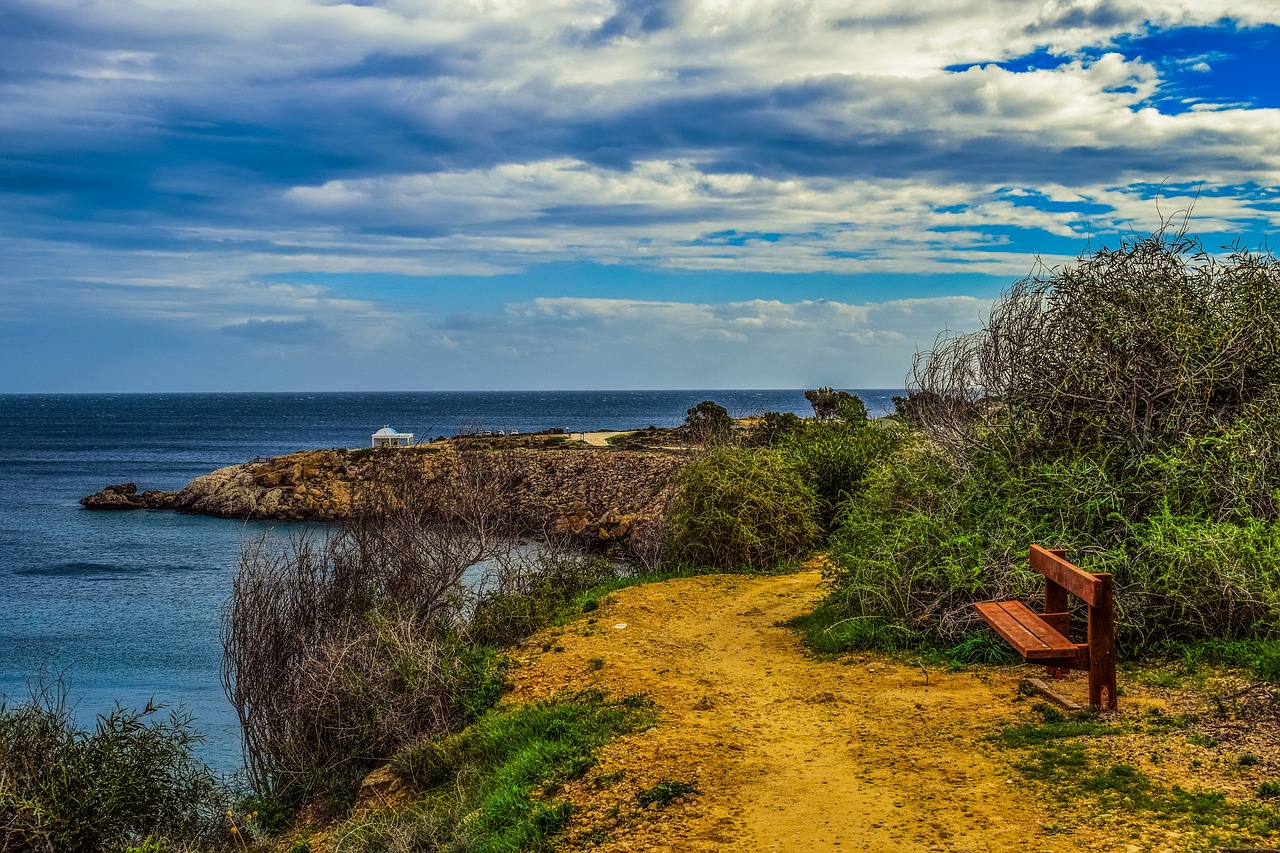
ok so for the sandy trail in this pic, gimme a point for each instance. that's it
(600, 439)
(787, 753)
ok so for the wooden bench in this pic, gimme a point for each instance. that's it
(1045, 638)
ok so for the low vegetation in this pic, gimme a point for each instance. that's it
(1074, 758)
(488, 786)
(768, 497)
(1123, 408)
(132, 776)
(345, 650)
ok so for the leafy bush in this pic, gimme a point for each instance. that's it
(1125, 409)
(708, 421)
(772, 427)
(742, 508)
(132, 775)
(928, 535)
(829, 404)
(532, 590)
(833, 457)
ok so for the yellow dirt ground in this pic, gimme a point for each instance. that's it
(787, 753)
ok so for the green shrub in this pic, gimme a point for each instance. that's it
(927, 536)
(772, 427)
(131, 776)
(1125, 408)
(833, 457)
(1187, 578)
(829, 404)
(742, 508)
(530, 593)
(708, 421)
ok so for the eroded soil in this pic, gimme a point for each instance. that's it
(791, 753)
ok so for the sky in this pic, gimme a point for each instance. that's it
(237, 195)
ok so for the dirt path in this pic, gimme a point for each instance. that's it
(787, 753)
(600, 439)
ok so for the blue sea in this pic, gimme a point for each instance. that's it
(125, 607)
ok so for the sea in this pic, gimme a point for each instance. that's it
(123, 608)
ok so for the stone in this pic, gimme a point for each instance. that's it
(119, 496)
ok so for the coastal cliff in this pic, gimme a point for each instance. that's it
(600, 493)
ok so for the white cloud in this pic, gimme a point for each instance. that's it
(671, 213)
(162, 157)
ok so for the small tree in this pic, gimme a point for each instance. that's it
(708, 421)
(829, 405)
(773, 427)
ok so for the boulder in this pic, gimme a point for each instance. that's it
(119, 496)
(125, 496)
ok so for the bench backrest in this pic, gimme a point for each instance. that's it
(1083, 585)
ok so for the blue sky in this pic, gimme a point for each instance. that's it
(495, 194)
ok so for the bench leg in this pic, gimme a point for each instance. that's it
(1102, 686)
(1102, 650)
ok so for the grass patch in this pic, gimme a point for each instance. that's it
(590, 600)
(488, 787)
(829, 631)
(1061, 753)
(664, 793)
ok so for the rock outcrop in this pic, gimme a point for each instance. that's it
(126, 496)
(314, 485)
(603, 495)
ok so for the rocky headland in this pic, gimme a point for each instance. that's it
(604, 493)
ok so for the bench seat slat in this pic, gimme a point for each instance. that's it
(1028, 633)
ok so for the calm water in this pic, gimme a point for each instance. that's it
(125, 606)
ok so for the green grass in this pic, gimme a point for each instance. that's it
(664, 793)
(1068, 756)
(590, 600)
(488, 788)
(830, 631)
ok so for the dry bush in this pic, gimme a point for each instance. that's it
(340, 649)
(1142, 345)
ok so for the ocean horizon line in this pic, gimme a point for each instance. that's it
(880, 389)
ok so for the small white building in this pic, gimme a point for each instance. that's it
(387, 437)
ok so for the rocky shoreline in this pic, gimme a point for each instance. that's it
(600, 493)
